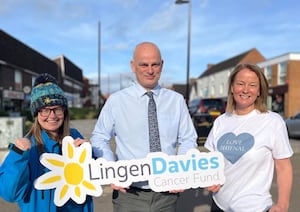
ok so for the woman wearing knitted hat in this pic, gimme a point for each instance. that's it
(22, 167)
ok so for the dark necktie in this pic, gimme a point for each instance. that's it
(154, 141)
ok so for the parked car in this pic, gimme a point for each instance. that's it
(212, 106)
(293, 126)
(203, 124)
(204, 112)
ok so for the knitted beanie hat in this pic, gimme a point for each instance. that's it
(46, 92)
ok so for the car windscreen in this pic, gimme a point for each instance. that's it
(213, 103)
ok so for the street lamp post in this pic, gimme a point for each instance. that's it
(99, 65)
(189, 2)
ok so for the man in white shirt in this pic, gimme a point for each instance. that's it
(124, 116)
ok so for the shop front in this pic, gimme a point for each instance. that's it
(12, 101)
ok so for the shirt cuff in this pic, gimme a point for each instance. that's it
(15, 149)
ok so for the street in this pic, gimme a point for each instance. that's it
(196, 200)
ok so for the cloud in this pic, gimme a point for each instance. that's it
(84, 32)
(163, 20)
(7, 6)
(219, 30)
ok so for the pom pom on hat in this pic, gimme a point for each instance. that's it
(46, 92)
(44, 78)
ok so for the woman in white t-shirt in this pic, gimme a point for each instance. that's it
(253, 141)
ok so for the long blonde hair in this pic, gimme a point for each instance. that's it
(260, 102)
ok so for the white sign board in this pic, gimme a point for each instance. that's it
(75, 174)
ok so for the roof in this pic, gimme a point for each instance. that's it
(232, 62)
(70, 69)
(19, 54)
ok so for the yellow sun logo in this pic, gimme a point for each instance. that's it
(69, 173)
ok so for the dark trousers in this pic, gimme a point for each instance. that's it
(215, 208)
(144, 200)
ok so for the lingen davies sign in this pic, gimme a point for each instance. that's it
(75, 174)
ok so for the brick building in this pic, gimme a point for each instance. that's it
(71, 80)
(283, 74)
(19, 66)
(212, 83)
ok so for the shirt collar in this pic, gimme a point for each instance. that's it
(141, 90)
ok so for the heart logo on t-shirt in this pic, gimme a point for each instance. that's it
(234, 147)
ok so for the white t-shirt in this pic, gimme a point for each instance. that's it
(248, 143)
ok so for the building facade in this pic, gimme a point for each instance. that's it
(213, 82)
(283, 74)
(71, 80)
(19, 66)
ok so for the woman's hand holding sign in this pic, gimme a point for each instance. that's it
(119, 188)
(177, 191)
(214, 188)
(23, 144)
(79, 141)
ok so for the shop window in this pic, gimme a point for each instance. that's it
(278, 104)
(18, 80)
(282, 73)
(33, 80)
(268, 74)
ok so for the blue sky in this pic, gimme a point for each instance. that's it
(219, 30)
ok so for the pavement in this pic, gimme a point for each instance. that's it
(194, 200)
